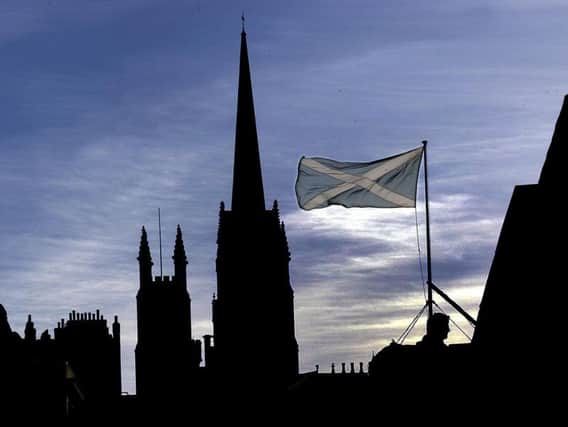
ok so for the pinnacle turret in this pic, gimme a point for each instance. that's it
(145, 260)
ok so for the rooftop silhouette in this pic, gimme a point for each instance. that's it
(253, 352)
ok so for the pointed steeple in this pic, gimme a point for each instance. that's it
(30, 331)
(145, 260)
(552, 173)
(248, 192)
(180, 259)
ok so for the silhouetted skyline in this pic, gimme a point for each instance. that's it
(111, 111)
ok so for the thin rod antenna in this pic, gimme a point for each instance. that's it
(160, 233)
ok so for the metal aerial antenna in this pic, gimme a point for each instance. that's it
(160, 234)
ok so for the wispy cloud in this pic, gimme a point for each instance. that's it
(358, 283)
(113, 109)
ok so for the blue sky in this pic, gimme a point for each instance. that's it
(111, 109)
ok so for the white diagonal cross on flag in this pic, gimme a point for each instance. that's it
(367, 181)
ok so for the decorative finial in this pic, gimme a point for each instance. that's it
(243, 22)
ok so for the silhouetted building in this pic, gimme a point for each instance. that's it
(527, 259)
(253, 313)
(340, 385)
(92, 357)
(74, 374)
(519, 315)
(167, 359)
(512, 366)
(253, 352)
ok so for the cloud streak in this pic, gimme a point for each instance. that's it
(113, 110)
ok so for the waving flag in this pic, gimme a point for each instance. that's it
(385, 183)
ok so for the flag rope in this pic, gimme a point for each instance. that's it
(420, 255)
(410, 327)
(455, 324)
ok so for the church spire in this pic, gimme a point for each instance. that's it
(248, 192)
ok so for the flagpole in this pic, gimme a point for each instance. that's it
(429, 302)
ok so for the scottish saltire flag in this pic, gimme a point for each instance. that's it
(385, 183)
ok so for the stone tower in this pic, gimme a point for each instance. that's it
(253, 312)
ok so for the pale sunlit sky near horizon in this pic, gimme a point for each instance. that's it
(111, 109)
